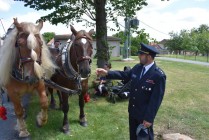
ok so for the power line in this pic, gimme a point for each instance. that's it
(149, 27)
(3, 26)
(153, 28)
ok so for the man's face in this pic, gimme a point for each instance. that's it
(56, 44)
(143, 58)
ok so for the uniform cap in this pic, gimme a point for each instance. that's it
(146, 49)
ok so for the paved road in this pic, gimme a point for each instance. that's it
(184, 61)
(7, 127)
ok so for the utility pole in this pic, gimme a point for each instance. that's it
(127, 33)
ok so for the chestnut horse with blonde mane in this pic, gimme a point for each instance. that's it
(74, 62)
(24, 61)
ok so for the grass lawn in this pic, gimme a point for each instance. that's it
(185, 108)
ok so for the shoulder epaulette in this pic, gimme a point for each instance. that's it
(160, 70)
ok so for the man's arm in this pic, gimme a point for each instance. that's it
(120, 75)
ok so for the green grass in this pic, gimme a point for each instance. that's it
(184, 109)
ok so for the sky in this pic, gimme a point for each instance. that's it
(158, 18)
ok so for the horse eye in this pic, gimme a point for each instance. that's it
(23, 35)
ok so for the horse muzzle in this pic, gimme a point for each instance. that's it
(31, 80)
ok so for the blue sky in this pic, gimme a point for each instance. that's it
(158, 18)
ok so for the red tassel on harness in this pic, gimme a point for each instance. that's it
(3, 113)
(86, 98)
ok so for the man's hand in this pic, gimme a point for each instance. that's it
(146, 124)
(101, 72)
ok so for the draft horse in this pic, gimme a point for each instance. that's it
(24, 61)
(74, 62)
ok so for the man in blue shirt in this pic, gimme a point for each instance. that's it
(146, 92)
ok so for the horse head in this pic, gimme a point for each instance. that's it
(81, 51)
(29, 44)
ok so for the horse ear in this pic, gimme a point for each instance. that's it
(72, 37)
(17, 24)
(73, 30)
(91, 32)
(40, 25)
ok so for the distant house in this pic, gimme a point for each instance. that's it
(113, 43)
(160, 46)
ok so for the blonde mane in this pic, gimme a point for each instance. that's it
(8, 54)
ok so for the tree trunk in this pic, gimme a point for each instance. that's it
(101, 34)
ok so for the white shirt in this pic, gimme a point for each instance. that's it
(148, 67)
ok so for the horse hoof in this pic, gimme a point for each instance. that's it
(84, 124)
(66, 131)
(38, 124)
(25, 138)
(24, 134)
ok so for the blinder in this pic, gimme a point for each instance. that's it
(24, 60)
(83, 58)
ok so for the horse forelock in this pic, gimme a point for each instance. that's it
(84, 34)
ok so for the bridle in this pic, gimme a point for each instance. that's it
(83, 58)
(22, 61)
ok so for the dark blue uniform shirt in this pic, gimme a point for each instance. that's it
(146, 93)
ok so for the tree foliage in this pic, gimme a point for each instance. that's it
(135, 41)
(90, 12)
(48, 36)
(196, 40)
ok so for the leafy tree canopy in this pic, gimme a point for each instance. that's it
(65, 11)
(48, 36)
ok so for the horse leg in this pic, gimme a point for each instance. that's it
(60, 99)
(52, 101)
(19, 111)
(82, 117)
(42, 116)
(65, 109)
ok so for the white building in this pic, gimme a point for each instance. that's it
(113, 42)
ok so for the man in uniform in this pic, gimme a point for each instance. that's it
(57, 44)
(146, 92)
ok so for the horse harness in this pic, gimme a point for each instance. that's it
(18, 69)
(67, 70)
